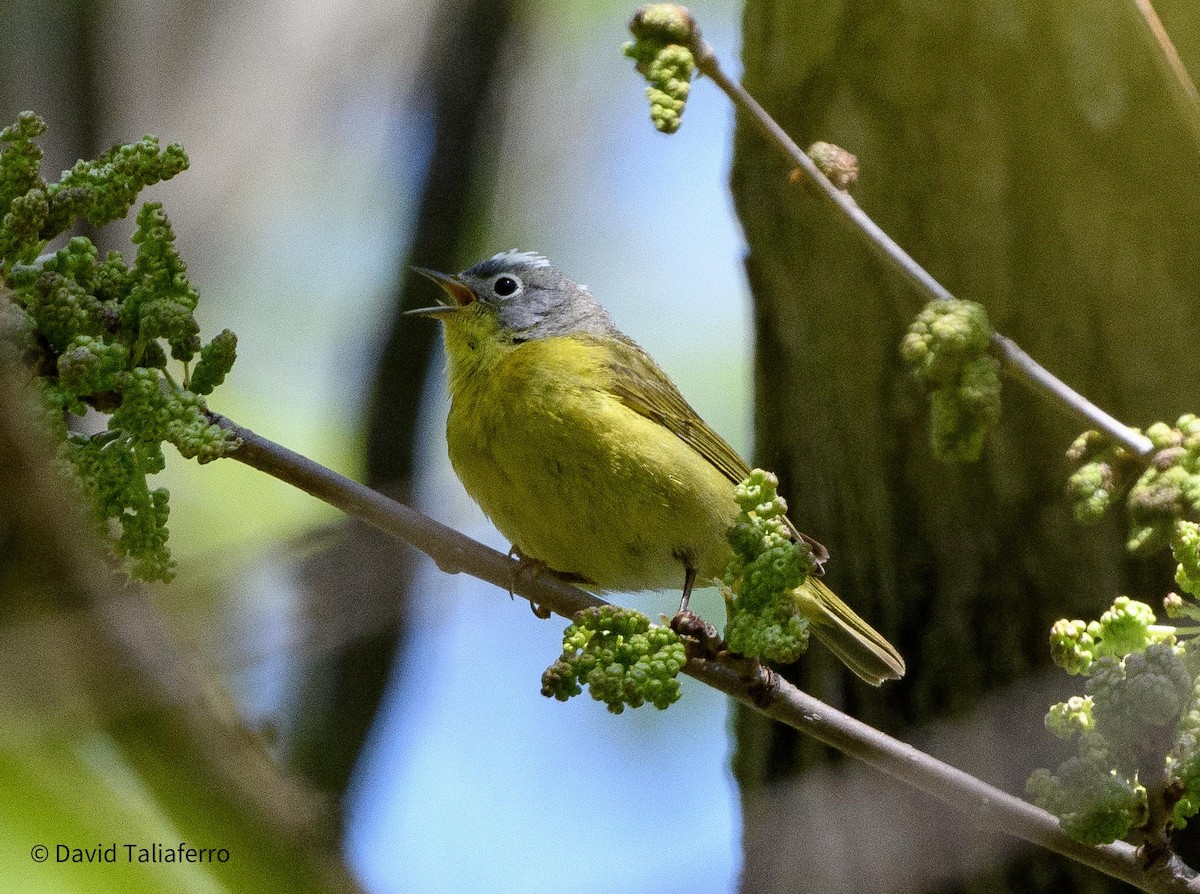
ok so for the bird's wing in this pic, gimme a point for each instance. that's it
(643, 387)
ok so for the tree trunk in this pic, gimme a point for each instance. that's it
(1033, 158)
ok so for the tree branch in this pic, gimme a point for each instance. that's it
(759, 688)
(1167, 57)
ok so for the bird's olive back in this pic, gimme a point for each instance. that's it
(534, 300)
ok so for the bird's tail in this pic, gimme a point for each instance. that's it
(848, 636)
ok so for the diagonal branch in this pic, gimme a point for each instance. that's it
(760, 688)
(1168, 60)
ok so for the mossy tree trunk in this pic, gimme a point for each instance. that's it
(1032, 157)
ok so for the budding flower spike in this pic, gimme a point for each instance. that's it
(664, 34)
(107, 332)
(946, 348)
(764, 617)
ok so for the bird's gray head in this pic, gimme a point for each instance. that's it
(530, 298)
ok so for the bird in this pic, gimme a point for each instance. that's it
(586, 456)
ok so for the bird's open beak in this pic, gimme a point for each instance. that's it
(455, 288)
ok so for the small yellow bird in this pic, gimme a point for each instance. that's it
(585, 455)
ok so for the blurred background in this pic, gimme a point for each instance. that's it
(339, 714)
(332, 144)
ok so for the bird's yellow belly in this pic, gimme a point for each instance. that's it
(576, 479)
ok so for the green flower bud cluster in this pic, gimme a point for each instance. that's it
(98, 331)
(1093, 804)
(216, 359)
(1183, 763)
(112, 467)
(99, 191)
(1151, 688)
(1141, 711)
(1128, 626)
(1169, 489)
(21, 186)
(1104, 474)
(763, 619)
(946, 348)
(1157, 497)
(1070, 717)
(663, 36)
(1185, 547)
(621, 657)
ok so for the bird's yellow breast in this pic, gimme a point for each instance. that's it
(570, 474)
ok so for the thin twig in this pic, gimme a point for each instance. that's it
(1017, 361)
(766, 692)
(1168, 59)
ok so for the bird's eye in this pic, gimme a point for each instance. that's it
(506, 285)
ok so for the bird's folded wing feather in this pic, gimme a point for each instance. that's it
(643, 387)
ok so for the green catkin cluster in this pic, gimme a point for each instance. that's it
(763, 619)
(97, 331)
(621, 657)
(1156, 497)
(663, 35)
(946, 348)
(99, 191)
(1169, 490)
(1128, 626)
(1103, 475)
(1141, 711)
(1095, 805)
(1185, 547)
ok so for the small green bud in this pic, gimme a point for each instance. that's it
(1071, 646)
(1163, 436)
(668, 23)
(840, 166)
(1070, 717)
(1173, 605)
(1124, 628)
(1185, 546)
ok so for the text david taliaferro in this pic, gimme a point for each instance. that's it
(154, 852)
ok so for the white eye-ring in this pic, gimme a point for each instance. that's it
(506, 285)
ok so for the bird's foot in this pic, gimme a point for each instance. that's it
(701, 636)
(704, 643)
(527, 569)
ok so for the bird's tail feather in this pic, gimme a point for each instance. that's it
(849, 637)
